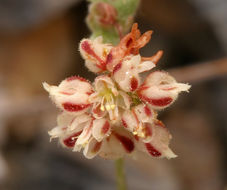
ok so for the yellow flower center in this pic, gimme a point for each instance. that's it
(108, 100)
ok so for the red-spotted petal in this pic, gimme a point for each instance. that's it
(71, 95)
(92, 148)
(104, 82)
(130, 120)
(97, 112)
(144, 113)
(101, 128)
(70, 139)
(118, 144)
(126, 75)
(124, 100)
(159, 143)
(160, 89)
(95, 53)
(86, 134)
(79, 121)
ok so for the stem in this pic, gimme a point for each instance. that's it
(120, 174)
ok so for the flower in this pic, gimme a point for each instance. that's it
(117, 114)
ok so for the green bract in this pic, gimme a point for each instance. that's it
(125, 11)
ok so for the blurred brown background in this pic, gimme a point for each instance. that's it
(39, 42)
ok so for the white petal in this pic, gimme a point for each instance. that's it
(69, 139)
(102, 82)
(118, 144)
(126, 73)
(101, 128)
(86, 134)
(57, 132)
(130, 121)
(71, 95)
(113, 114)
(64, 119)
(95, 53)
(124, 100)
(97, 112)
(159, 144)
(144, 113)
(92, 148)
(160, 90)
(79, 120)
(145, 66)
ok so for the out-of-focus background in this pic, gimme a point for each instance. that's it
(39, 42)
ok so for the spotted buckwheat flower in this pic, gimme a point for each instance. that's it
(117, 114)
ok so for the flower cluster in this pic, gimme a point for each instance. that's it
(116, 115)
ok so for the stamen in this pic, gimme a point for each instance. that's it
(102, 108)
(102, 102)
(113, 106)
(108, 107)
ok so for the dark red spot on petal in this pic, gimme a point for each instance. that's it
(87, 48)
(161, 102)
(126, 142)
(136, 137)
(147, 111)
(117, 67)
(70, 141)
(152, 151)
(89, 93)
(147, 130)
(97, 110)
(124, 123)
(74, 107)
(133, 84)
(105, 127)
(97, 147)
(109, 58)
(135, 116)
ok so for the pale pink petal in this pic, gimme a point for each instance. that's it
(71, 95)
(70, 139)
(124, 100)
(104, 82)
(65, 119)
(144, 113)
(148, 132)
(92, 148)
(94, 97)
(114, 114)
(130, 120)
(159, 144)
(101, 128)
(77, 148)
(94, 52)
(78, 120)
(57, 132)
(160, 89)
(86, 134)
(126, 73)
(145, 66)
(97, 111)
(118, 144)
